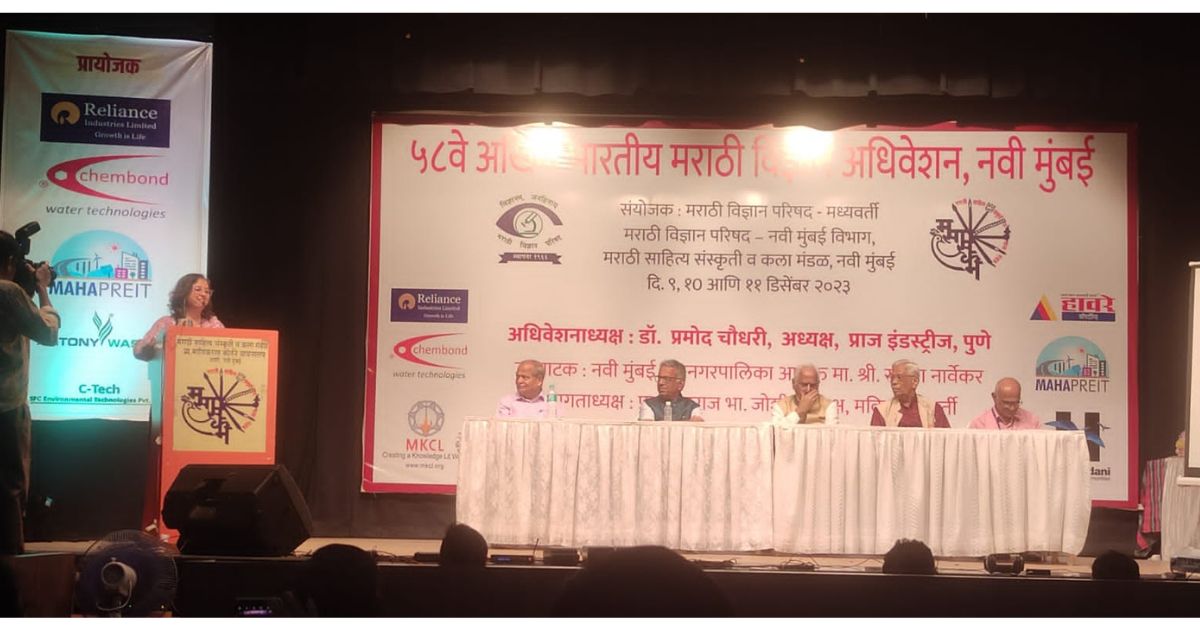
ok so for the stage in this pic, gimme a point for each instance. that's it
(757, 585)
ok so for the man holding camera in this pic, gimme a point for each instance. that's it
(20, 321)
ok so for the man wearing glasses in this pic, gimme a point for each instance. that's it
(1006, 411)
(671, 378)
(907, 408)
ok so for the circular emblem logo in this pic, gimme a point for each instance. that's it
(426, 418)
(65, 113)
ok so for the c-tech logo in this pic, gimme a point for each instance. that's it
(430, 350)
(101, 177)
(110, 120)
(101, 263)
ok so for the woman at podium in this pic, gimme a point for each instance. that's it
(190, 304)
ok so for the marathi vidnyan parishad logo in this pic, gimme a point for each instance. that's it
(111, 177)
(976, 233)
(101, 263)
(1078, 307)
(532, 225)
(426, 418)
(1071, 364)
(219, 403)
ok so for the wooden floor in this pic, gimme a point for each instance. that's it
(1063, 565)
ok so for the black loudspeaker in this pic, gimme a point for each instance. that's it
(1004, 563)
(237, 510)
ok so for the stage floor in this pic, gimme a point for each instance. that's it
(401, 550)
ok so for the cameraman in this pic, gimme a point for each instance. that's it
(20, 321)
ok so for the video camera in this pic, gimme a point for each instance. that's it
(24, 277)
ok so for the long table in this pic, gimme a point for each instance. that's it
(744, 487)
(1180, 511)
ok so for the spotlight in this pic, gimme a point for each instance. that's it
(805, 144)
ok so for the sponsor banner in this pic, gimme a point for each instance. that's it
(744, 253)
(105, 145)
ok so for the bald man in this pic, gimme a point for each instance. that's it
(528, 401)
(1006, 412)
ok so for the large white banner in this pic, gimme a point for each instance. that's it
(106, 146)
(979, 254)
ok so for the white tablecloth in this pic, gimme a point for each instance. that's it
(684, 485)
(1180, 511)
(856, 490)
(740, 487)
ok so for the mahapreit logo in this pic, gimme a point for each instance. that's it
(109, 177)
(103, 264)
(1072, 364)
(430, 350)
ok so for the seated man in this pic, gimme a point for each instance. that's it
(907, 408)
(671, 378)
(806, 405)
(1006, 411)
(528, 401)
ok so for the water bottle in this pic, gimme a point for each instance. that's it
(552, 402)
(667, 415)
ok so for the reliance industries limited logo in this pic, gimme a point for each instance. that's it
(532, 225)
(429, 305)
(100, 176)
(976, 233)
(110, 120)
(1072, 364)
(101, 263)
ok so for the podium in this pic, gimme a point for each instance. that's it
(212, 393)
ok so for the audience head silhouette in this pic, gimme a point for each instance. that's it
(641, 582)
(340, 581)
(1114, 565)
(909, 556)
(462, 546)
